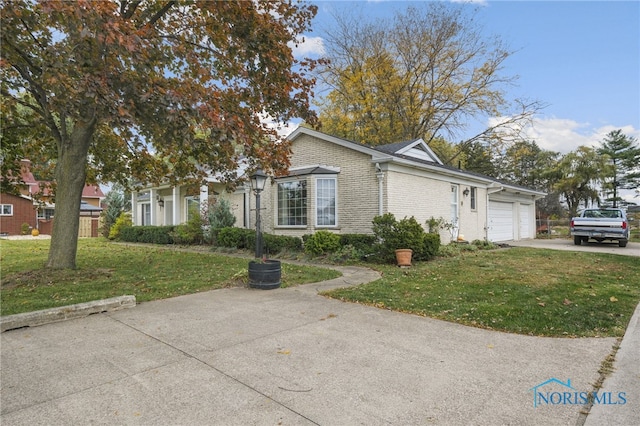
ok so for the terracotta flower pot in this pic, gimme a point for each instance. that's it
(403, 257)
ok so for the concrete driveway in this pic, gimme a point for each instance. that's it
(287, 357)
(632, 249)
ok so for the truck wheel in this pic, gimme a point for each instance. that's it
(577, 240)
(622, 243)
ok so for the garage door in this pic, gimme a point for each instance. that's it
(500, 221)
(525, 225)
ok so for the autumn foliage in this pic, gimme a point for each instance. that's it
(150, 90)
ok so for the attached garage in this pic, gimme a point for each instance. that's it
(500, 221)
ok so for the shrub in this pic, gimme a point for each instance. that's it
(190, 232)
(347, 253)
(273, 244)
(393, 234)
(361, 242)
(234, 237)
(24, 228)
(147, 234)
(484, 244)
(115, 203)
(430, 247)
(322, 242)
(123, 220)
(220, 215)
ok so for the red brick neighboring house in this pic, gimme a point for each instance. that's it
(17, 210)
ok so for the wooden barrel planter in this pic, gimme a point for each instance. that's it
(265, 275)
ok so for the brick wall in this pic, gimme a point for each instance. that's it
(23, 212)
(357, 187)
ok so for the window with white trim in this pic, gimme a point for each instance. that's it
(6, 209)
(45, 213)
(292, 203)
(146, 214)
(193, 207)
(326, 202)
(474, 191)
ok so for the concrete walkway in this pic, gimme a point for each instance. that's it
(291, 357)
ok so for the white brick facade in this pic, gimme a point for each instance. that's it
(404, 179)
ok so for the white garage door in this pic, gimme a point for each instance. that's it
(500, 221)
(525, 225)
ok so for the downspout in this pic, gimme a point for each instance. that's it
(380, 176)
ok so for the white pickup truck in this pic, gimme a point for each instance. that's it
(600, 225)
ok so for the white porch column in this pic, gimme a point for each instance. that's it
(177, 220)
(153, 193)
(134, 208)
(204, 199)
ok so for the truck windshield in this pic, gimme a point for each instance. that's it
(609, 214)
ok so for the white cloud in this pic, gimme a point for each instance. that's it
(283, 129)
(308, 46)
(564, 135)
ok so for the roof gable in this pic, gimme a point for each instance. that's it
(417, 148)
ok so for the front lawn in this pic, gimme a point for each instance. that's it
(518, 290)
(107, 270)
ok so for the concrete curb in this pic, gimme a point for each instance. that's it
(32, 319)
(625, 378)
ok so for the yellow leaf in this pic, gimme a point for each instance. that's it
(613, 299)
(284, 352)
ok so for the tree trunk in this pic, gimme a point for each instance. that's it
(70, 180)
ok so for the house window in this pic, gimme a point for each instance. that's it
(473, 198)
(146, 214)
(326, 202)
(193, 207)
(45, 213)
(6, 209)
(292, 203)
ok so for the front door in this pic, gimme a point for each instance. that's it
(454, 212)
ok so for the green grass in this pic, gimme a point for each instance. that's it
(518, 290)
(107, 270)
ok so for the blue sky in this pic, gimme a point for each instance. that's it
(581, 58)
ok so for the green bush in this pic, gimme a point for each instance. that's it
(403, 234)
(347, 253)
(361, 242)
(190, 232)
(430, 247)
(123, 220)
(219, 216)
(234, 237)
(322, 242)
(484, 244)
(273, 244)
(147, 234)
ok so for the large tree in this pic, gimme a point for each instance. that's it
(426, 73)
(578, 176)
(150, 90)
(622, 153)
